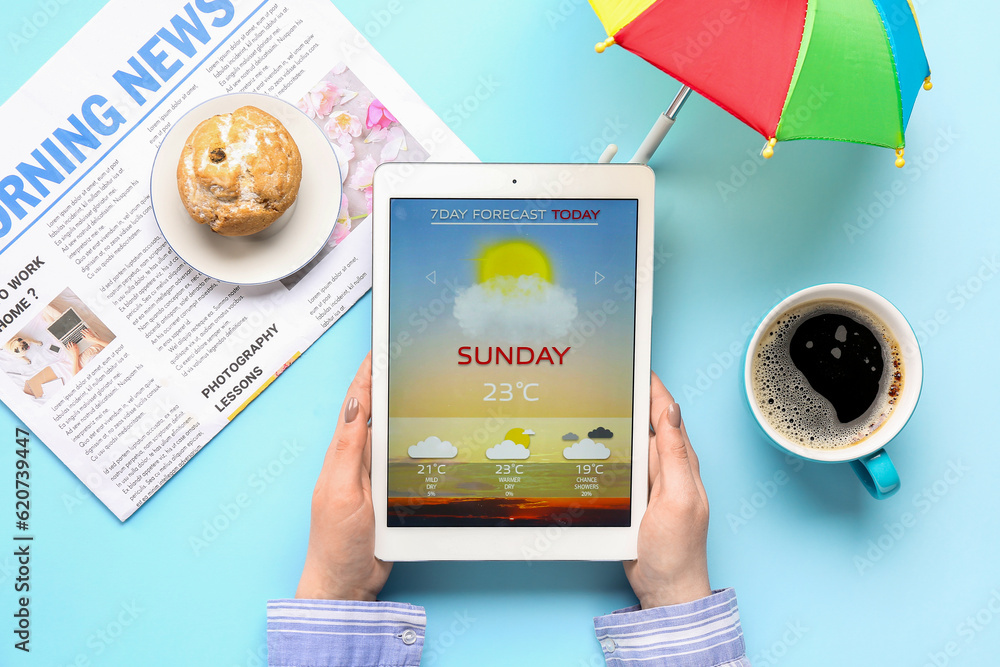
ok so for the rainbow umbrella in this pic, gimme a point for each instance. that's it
(845, 70)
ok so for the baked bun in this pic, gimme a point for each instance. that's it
(239, 172)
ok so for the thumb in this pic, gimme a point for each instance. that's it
(671, 450)
(347, 450)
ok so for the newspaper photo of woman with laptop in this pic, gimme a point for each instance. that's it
(54, 346)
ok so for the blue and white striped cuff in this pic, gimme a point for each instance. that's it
(702, 633)
(328, 633)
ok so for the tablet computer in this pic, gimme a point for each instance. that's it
(510, 383)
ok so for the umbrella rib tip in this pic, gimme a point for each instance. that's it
(600, 46)
(768, 151)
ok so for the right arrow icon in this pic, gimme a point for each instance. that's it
(597, 277)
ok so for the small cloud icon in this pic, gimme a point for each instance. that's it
(433, 448)
(507, 450)
(571, 436)
(587, 449)
(528, 431)
(600, 432)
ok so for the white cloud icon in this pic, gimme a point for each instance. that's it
(507, 450)
(587, 449)
(528, 431)
(433, 448)
(516, 309)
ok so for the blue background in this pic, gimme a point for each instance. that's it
(519, 81)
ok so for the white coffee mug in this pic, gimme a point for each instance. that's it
(867, 457)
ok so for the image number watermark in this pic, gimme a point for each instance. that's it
(22, 542)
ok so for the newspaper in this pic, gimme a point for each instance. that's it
(123, 359)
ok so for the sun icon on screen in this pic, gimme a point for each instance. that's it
(515, 299)
(519, 436)
(514, 259)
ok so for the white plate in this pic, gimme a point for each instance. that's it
(285, 246)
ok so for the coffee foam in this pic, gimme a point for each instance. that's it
(798, 412)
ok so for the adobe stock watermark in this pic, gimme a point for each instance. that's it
(8, 568)
(378, 22)
(712, 28)
(558, 15)
(437, 646)
(741, 174)
(957, 298)
(419, 320)
(971, 627)
(547, 536)
(258, 482)
(923, 502)
(382, 18)
(255, 658)
(80, 492)
(588, 324)
(729, 357)
(603, 476)
(917, 164)
(107, 634)
(37, 17)
(584, 327)
(462, 110)
(433, 475)
(773, 655)
(589, 152)
(765, 491)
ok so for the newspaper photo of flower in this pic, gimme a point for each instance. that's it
(364, 133)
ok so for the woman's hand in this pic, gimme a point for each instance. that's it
(91, 337)
(340, 561)
(73, 350)
(672, 566)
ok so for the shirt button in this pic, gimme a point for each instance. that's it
(609, 645)
(408, 637)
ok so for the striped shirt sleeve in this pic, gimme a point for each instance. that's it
(703, 633)
(329, 633)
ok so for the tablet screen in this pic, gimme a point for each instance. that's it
(511, 344)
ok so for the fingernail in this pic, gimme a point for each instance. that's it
(351, 411)
(674, 415)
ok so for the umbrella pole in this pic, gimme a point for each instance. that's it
(656, 133)
(660, 128)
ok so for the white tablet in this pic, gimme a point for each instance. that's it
(510, 386)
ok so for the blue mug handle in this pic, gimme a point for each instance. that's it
(877, 473)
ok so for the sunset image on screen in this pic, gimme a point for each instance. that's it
(511, 378)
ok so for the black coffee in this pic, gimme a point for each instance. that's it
(827, 374)
(841, 359)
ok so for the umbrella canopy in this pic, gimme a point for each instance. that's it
(845, 70)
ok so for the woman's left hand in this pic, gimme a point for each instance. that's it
(340, 561)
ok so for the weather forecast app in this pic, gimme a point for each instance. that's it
(511, 331)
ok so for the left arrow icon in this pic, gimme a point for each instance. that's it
(432, 276)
